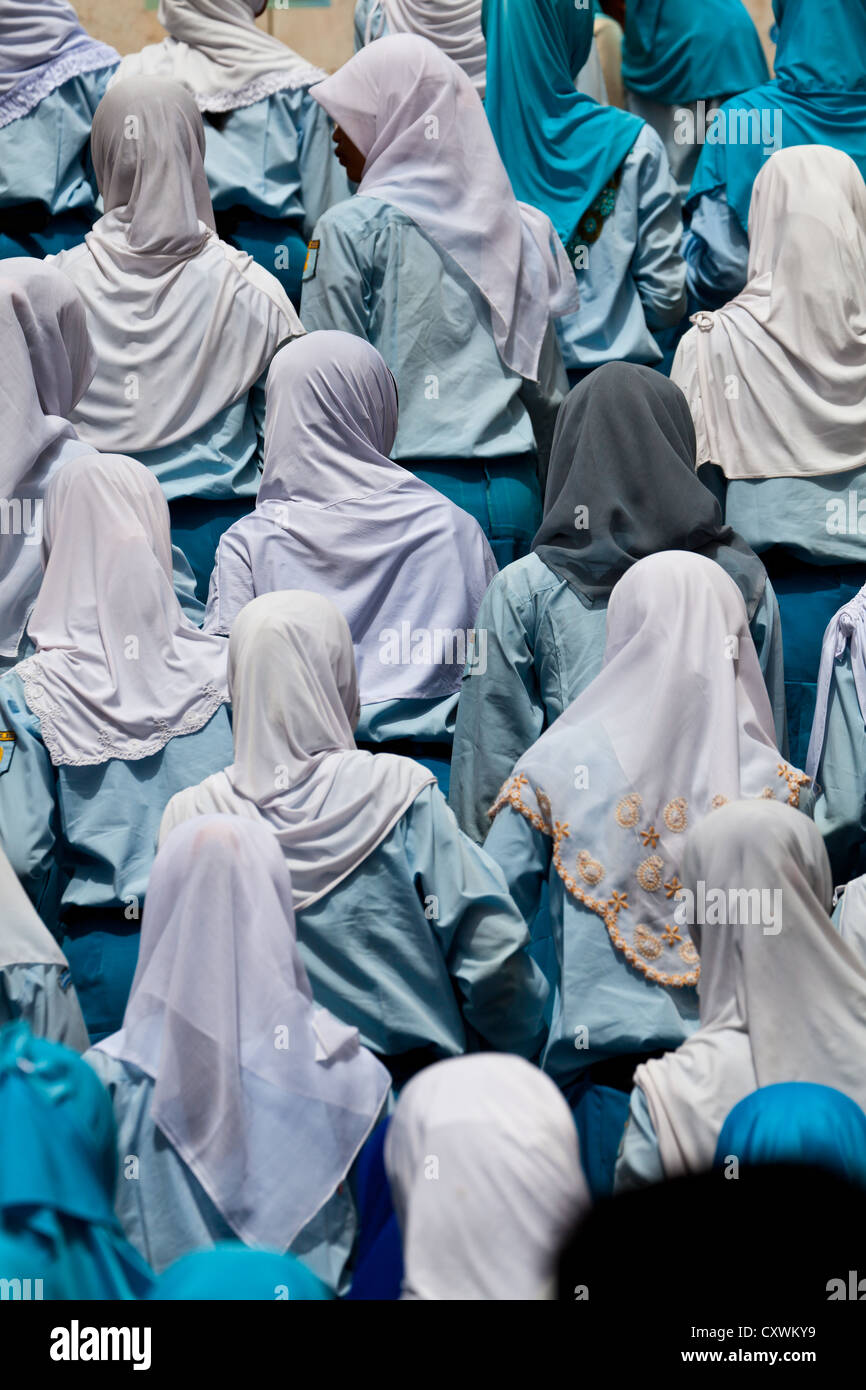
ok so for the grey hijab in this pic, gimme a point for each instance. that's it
(622, 485)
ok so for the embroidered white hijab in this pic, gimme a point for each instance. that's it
(48, 363)
(453, 25)
(677, 722)
(183, 325)
(118, 669)
(781, 369)
(405, 566)
(42, 45)
(429, 151)
(294, 696)
(265, 1097)
(788, 1004)
(507, 1188)
(216, 50)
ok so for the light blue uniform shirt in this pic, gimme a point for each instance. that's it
(634, 281)
(817, 519)
(716, 251)
(275, 158)
(640, 1161)
(373, 11)
(421, 939)
(220, 461)
(376, 274)
(44, 997)
(164, 1210)
(840, 813)
(602, 1007)
(544, 646)
(86, 836)
(423, 721)
(43, 155)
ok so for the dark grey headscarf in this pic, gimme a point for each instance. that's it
(624, 449)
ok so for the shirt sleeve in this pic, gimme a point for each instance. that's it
(839, 812)
(766, 630)
(336, 287)
(543, 398)
(29, 828)
(639, 1161)
(657, 265)
(684, 374)
(716, 251)
(231, 585)
(484, 938)
(500, 713)
(44, 996)
(524, 855)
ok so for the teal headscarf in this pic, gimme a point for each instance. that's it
(561, 148)
(684, 50)
(58, 1166)
(819, 89)
(233, 1272)
(797, 1122)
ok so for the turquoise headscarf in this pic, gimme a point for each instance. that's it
(797, 1122)
(819, 89)
(685, 50)
(233, 1272)
(58, 1166)
(561, 148)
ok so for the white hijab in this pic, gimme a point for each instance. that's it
(118, 669)
(294, 696)
(453, 25)
(677, 722)
(183, 325)
(42, 45)
(265, 1097)
(846, 631)
(483, 1159)
(429, 151)
(782, 369)
(48, 362)
(773, 1008)
(335, 515)
(216, 50)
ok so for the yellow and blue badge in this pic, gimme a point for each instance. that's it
(7, 748)
(312, 260)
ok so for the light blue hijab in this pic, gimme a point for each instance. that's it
(683, 50)
(797, 1122)
(560, 147)
(58, 1167)
(819, 88)
(236, 1273)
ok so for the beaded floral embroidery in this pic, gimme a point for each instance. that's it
(591, 224)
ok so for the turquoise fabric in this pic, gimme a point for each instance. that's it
(197, 523)
(503, 495)
(600, 1113)
(280, 248)
(58, 1165)
(44, 997)
(559, 146)
(681, 51)
(819, 89)
(797, 1122)
(231, 1272)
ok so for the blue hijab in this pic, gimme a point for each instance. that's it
(232, 1272)
(684, 50)
(58, 1168)
(819, 88)
(560, 148)
(797, 1122)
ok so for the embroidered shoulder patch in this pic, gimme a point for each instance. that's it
(7, 748)
(312, 261)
